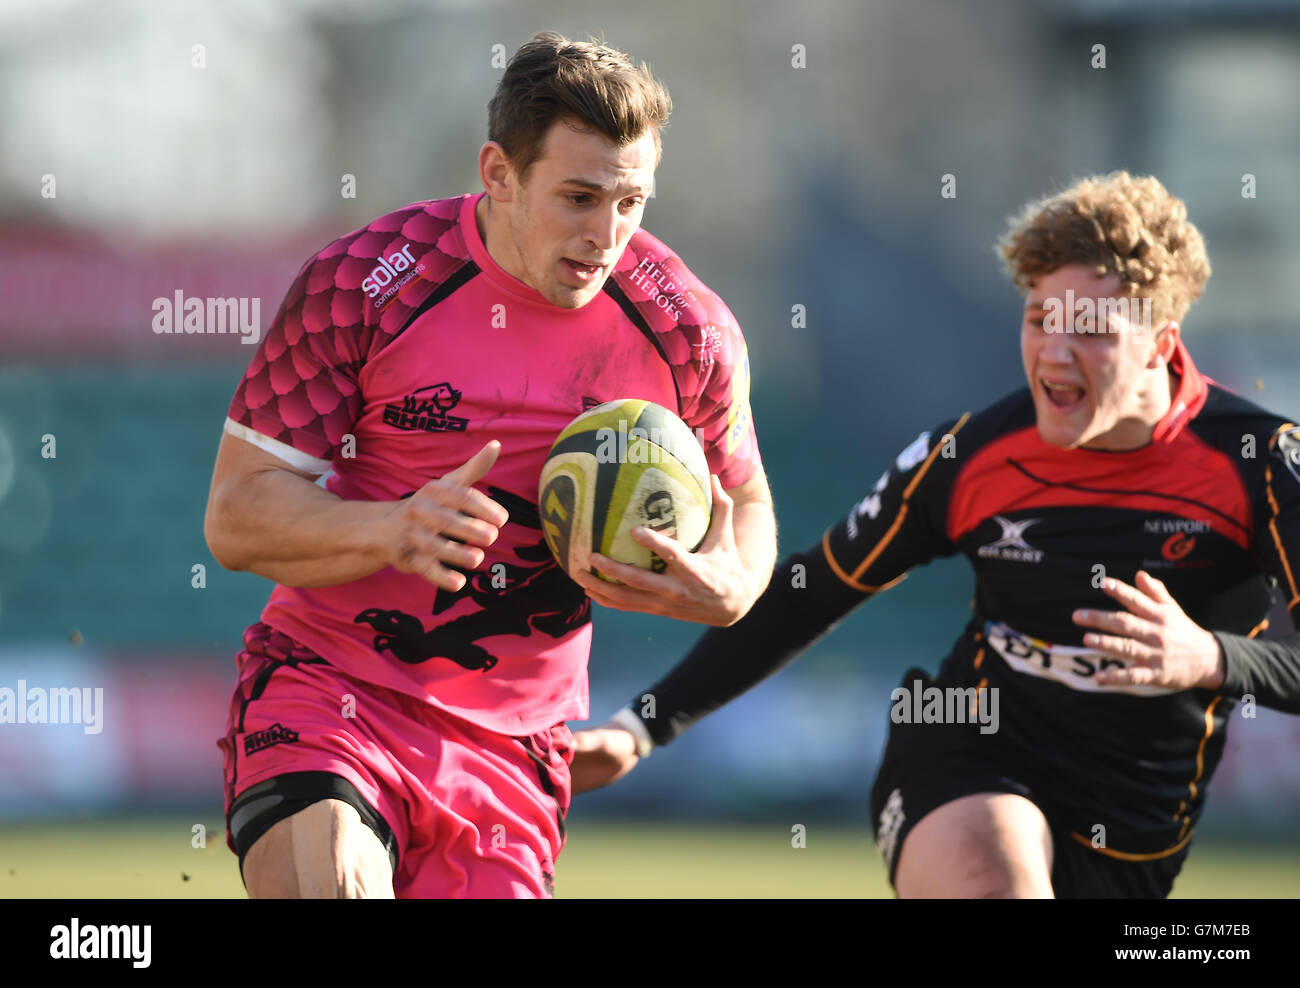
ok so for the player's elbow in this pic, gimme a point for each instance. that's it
(218, 532)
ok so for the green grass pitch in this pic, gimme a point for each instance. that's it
(154, 858)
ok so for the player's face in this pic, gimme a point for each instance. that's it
(1102, 386)
(576, 210)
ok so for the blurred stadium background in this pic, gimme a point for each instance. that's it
(156, 147)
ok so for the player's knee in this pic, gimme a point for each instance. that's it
(324, 851)
(1002, 879)
(985, 846)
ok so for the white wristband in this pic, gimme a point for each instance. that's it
(629, 721)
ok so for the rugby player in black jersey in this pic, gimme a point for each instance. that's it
(1129, 522)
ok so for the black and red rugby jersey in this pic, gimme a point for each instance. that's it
(1211, 507)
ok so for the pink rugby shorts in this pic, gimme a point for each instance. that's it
(465, 812)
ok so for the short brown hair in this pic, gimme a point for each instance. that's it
(585, 83)
(1132, 227)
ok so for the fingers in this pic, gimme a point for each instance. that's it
(1118, 623)
(601, 756)
(477, 466)
(632, 576)
(447, 523)
(1130, 676)
(1125, 649)
(450, 507)
(654, 593)
(586, 740)
(1153, 587)
(601, 596)
(1139, 601)
(723, 510)
(455, 490)
(430, 555)
(615, 741)
(613, 595)
(425, 513)
(437, 574)
(455, 553)
(669, 550)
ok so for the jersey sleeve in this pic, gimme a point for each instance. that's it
(902, 521)
(1269, 670)
(715, 390)
(811, 591)
(1278, 541)
(702, 343)
(300, 395)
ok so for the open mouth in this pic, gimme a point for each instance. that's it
(584, 272)
(1062, 395)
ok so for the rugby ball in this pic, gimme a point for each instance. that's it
(617, 466)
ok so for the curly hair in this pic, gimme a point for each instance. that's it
(1122, 225)
(585, 82)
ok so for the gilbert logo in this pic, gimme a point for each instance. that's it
(1012, 546)
(660, 517)
(384, 278)
(275, 734)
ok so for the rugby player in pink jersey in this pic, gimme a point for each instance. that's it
(398, 728)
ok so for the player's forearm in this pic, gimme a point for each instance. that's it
(285, 528)
(754, 528)
(792, 613)
(1266, 669)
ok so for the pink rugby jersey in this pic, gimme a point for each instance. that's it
(398, 352)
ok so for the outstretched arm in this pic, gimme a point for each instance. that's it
(899, 524)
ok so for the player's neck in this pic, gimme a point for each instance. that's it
(494, 230)
(1138, 428)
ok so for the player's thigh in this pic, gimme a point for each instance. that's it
(988, 845)
(324, 851)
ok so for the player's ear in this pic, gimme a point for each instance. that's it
(495, 171)
(1166, 343)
